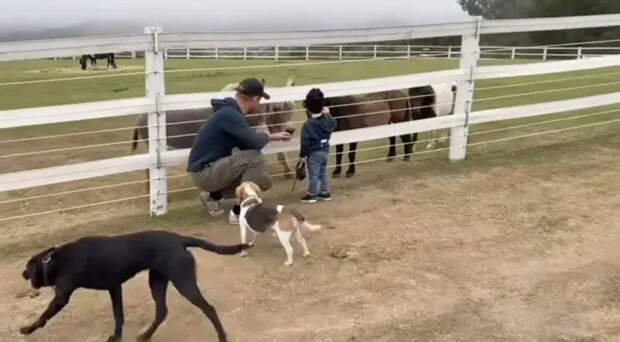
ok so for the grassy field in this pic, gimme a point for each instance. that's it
(78, 90)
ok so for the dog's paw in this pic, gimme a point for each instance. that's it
(114, 338)
(26, 330)
(243, 253)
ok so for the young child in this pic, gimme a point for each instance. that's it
(315, 146)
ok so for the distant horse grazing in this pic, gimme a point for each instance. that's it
(432, 101)
(359, 111)
(93, 60)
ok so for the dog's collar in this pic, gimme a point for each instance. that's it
(46, 262)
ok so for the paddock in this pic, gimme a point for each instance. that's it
(514, 243)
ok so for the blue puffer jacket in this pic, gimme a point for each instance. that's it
(316, 133)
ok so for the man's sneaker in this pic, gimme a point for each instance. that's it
(213, 207)
(325, 197)
(233, 219)
(309, 199)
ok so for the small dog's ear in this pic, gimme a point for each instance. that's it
(256, 188)
(238, 192)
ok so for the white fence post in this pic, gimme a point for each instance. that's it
(165, 53)
(276, 53)
(450, 51)
(375, 52)
(245, 53)
(545, 53)
(409, 51)
(340, 52)
(155, 88)
(579, 53)
(470, 51)
(187, 53)
(307, 52)
(514, 53)
(217, 53)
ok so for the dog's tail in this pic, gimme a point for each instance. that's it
(303, 222)
(310, 227)
(204, 244)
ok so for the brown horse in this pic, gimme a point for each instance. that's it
(375, 109)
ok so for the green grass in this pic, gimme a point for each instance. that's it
(75, 91)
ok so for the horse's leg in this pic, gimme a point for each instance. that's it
(112, 61)
(284, 162)
(407, 145)
(392, 152)
(352, 149)
(338, 168)
(414, 139)
(445, 133)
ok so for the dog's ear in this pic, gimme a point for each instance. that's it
(238, 192)
(34, 267)
(255, 187)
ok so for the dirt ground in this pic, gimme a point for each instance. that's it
(501, 251)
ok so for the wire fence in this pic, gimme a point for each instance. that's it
(331, 166)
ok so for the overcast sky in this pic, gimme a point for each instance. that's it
(70, 17)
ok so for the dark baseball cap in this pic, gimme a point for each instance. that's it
(252, 87)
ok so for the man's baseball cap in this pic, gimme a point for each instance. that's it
(252, 87)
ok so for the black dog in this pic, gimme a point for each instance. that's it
(105, 263)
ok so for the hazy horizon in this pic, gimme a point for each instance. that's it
(41, 19)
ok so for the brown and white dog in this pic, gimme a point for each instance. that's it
(258, 218)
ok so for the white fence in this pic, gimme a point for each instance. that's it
(156, 102)
(354, 52)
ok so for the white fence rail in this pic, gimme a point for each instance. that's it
(156, 103)
(350, 52)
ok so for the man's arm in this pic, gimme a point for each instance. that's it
(236, 126)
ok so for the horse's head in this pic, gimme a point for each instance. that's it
(279, 116)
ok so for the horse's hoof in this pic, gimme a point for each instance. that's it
(350, 174)
(407, 158)
(389, 159)
(335, 175)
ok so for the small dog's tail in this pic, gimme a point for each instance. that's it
(206, 245)
(310, 227)
(303, 222)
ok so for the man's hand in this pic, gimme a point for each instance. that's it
(281, 136)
